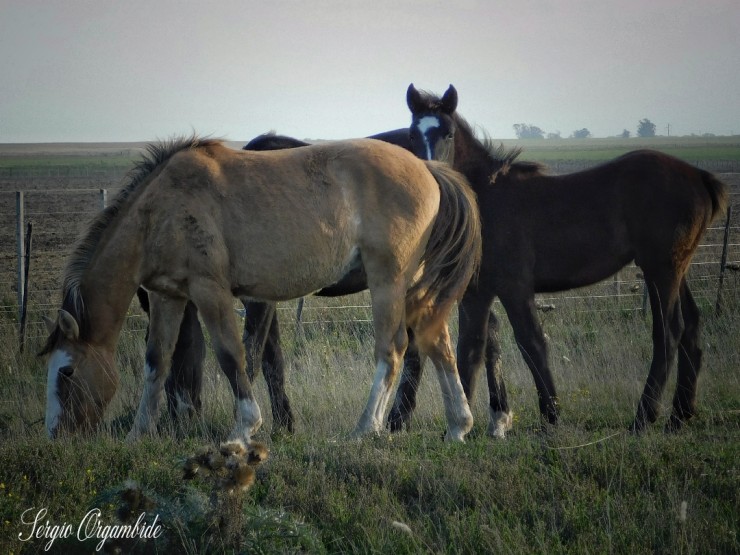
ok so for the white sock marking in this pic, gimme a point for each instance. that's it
(371, 421)
(500, 422)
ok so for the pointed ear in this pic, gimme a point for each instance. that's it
(413, 99)
(449, 100)
(50, 324)
(68, 325)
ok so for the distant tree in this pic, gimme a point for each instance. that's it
(581, 134)
(524, 131)
(625, 134)
(645, 128)
(555, 135)
(708, 135)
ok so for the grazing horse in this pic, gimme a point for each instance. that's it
(199, 221)
(545, 233)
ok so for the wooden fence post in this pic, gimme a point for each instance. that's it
(27, 269)
(20, 218)
(103, 198)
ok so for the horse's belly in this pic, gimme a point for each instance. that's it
(297, 275)
(578, 269)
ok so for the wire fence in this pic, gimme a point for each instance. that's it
(60, 214)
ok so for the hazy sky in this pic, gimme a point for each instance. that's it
(134, 70)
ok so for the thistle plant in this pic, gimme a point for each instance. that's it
(231, 472)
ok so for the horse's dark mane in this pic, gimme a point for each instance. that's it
(502, 160)
(156, 154)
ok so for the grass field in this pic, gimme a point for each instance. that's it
(691, 149)
(39, 157)
(585, 487)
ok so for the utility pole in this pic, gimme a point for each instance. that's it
(669, 129)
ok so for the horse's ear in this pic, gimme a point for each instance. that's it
(413, 99)
(50, 324)
(68, 325)
(449, 100)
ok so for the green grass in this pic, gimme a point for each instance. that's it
(690, 149)
(587, 486)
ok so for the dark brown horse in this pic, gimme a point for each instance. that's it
(546, 233)
(199, 221)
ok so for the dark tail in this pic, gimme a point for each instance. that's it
(453, 253)
(718, 191)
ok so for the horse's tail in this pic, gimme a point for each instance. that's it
(718, 191)
(453, 252)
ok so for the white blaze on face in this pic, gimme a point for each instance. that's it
(426, 124)
(57, 360)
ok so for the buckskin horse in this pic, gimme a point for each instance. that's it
(199, 221)
(546, 233)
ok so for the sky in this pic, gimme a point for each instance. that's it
(101, 70)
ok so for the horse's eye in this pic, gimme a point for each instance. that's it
(66, 371)
(449, 136)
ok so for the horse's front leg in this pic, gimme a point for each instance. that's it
(216, 307)
(405, 402)
(530, 339)
(501, 416)
(164, 325)
(479, 339)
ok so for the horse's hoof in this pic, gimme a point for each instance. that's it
(397, 423)
(454, 438)
(499, 423)
(674, 425)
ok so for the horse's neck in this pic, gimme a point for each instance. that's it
(471, 158)
(109, 284)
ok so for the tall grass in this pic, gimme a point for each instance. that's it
(585, 487)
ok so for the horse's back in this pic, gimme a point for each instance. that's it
(249, 216)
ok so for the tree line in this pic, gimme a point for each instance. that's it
(645, 128)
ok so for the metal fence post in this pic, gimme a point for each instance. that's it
(723, 262)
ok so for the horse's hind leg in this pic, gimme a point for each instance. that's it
(262, 344)
(164, 325)
(689, 362)
(667, 330)
(216, 307)
(391, 341)
(433, 338)
(405, 401)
